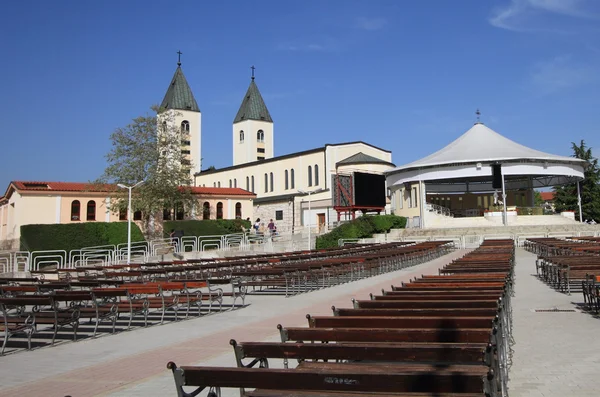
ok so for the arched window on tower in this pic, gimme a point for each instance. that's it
(266, 182)
(164, 127)
(292, 184)
(260, 136)
(271, 180)
(252, 184)
(230, 183)
(185, 127)
(219, 184)
(234, 182)
(238, 210)
(219, 210)
(242, 136)
(75, 210)
(309, 175)
(206, 210)
(91, 210)
(316, 175)
(248, 183)
(287, 180)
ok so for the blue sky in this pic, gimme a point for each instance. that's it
(403, 75)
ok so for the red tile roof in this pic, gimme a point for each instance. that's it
(90, 187)
(547, 196)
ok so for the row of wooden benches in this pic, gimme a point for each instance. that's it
(443, 335)
(567, 271)
(31, 308)
(274, 275)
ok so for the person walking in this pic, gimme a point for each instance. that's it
(272, 227)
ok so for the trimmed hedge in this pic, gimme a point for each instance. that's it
(362, 227)
(76, 235)
(206, 227)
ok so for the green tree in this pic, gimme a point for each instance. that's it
(537, 199)
(565, 198)
(149, 149)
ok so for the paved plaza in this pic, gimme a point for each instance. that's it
(555, 354)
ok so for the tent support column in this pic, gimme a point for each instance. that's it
(579, 202)
(530, 192)
(504, 214)
(423, 203)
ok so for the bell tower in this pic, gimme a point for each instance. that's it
(252, 128)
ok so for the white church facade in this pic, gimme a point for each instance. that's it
(285, 186)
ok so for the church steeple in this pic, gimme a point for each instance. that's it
(179, 94)
(253, 106)
(252, 128)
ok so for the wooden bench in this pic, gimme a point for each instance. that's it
(18, 316)
(328, 378)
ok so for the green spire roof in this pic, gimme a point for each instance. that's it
(253, 106)
(179, 95)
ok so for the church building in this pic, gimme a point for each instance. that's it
(295, 190)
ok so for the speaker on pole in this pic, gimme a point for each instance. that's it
(497, 176)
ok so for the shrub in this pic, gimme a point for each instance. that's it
(362, 227)
(206, 227)
(75, 236)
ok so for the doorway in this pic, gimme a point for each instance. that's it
(321, 221)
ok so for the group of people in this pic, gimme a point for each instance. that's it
(259, 227)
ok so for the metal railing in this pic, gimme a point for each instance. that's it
(438, 209)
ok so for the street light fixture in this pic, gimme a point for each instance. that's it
(129, 217)
(308, 222)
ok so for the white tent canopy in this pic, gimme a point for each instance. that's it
(465, 165)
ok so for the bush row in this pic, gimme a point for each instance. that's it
(76, 235)
(362, 227)
(207, 227)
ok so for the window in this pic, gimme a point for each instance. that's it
(206, 210)
(286, 180)
(238, 210)
(260, 157)
(214, 184)
(260, 136)
(241, 136)
(75, 209)
(309, 175)
(185, 127)
(185, 143)
(219, 210)
(179, 212)
(316, 175)
(248, 183)
(292, 178)
(167, 214)
(185, 152)
(479, 202)
(91, 210)
(401, 193)
(219, 184)
(279, 215)
(260, 150)
(234, 182)
(271, 179)
(230, 183)
(266, 183)
(414, 197)
(137, 215)
(123, 214)
(252, 184)
(164, 128)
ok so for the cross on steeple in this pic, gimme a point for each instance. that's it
(252, 67)
(179, 58)
(478, 113)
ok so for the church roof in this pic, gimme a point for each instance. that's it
(482, 144)
(361, 158)
(179, 94)
(253, 106)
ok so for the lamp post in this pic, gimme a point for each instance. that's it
(129, 217)
(308, 222)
